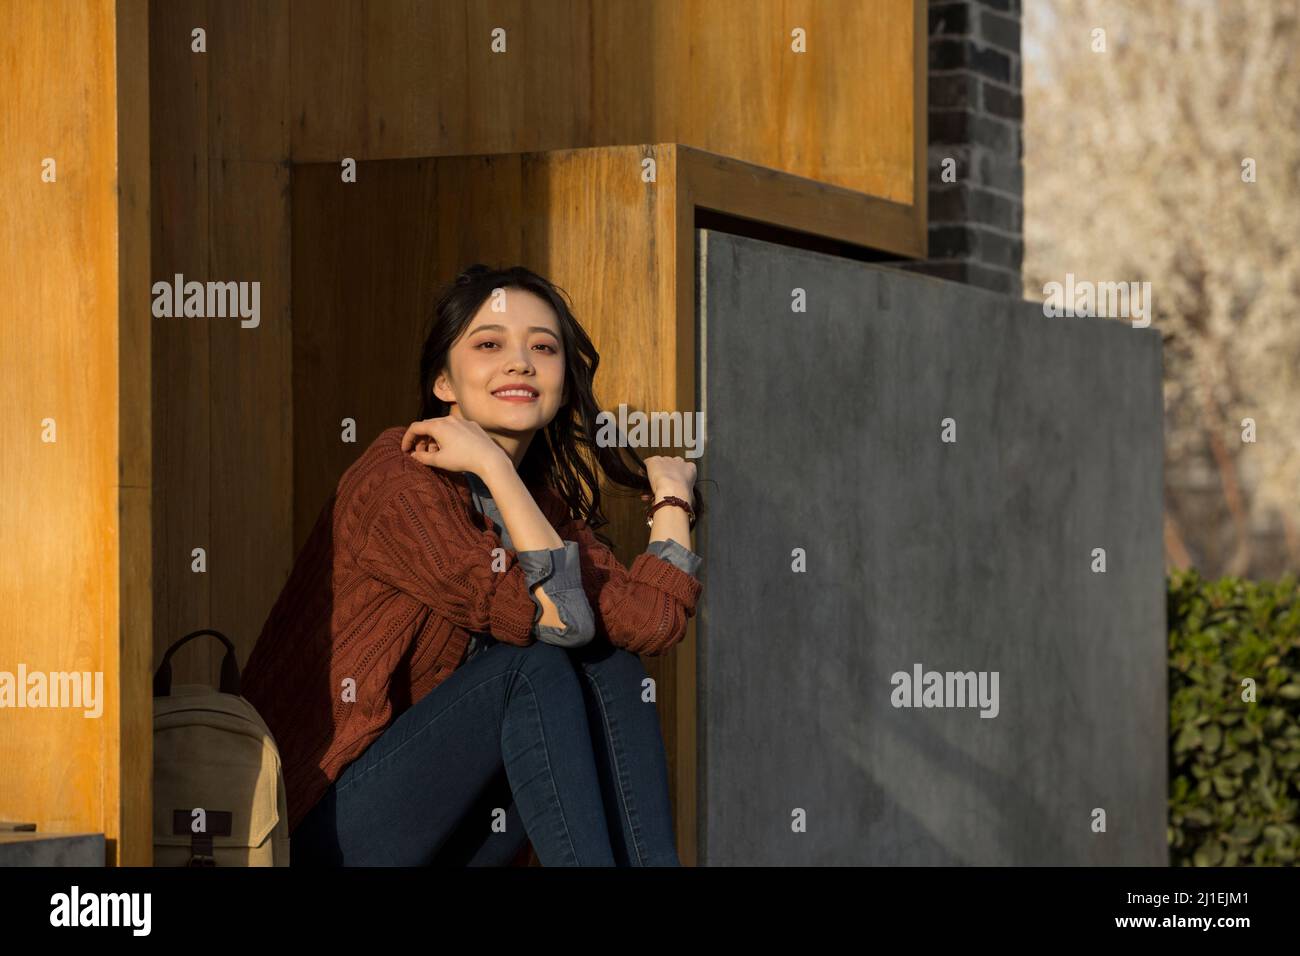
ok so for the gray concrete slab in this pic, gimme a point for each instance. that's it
(25, 848)
(824, 434)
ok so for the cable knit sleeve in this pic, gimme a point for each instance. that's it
(418, 541)
(643, 608)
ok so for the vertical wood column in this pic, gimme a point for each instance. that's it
(75, 385)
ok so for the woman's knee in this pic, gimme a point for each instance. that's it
(542, 661)
(619, 667)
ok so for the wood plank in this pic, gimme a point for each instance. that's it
(180, 346)
(920, 130)
(250, 544)
(60, 604)
(249, 106)
(840, 112)
(130, 783)
(373, 81)
(223, 405)
(535, 95)
(765, 195)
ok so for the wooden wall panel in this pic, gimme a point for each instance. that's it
(645, 106)
(223, 445)
(251, 455)
(378, 80)
(248, 53)
(419, 78)
(542, 82)
(74, 562)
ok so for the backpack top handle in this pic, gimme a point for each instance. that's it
(162, 678)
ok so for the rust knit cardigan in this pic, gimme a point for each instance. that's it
(395, 574)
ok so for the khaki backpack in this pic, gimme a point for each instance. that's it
(218, 787)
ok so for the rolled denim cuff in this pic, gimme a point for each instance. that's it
(560, 563)
(574, 609)
(675, 554)
(563, 569)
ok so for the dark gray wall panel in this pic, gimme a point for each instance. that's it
(824, 433)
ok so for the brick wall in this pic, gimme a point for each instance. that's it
(976, 227)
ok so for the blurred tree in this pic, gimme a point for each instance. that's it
(1134, 171)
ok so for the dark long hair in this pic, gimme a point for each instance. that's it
(564, 455)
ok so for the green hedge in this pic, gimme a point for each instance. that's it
(1234, 765)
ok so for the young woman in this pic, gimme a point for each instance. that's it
(492, 654)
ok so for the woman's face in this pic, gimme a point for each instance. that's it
(518, 347)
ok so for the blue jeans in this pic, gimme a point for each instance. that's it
(540, 741)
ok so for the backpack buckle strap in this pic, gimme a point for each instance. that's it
(219, 823)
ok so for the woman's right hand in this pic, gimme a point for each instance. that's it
(452, 444)
(670, 475)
